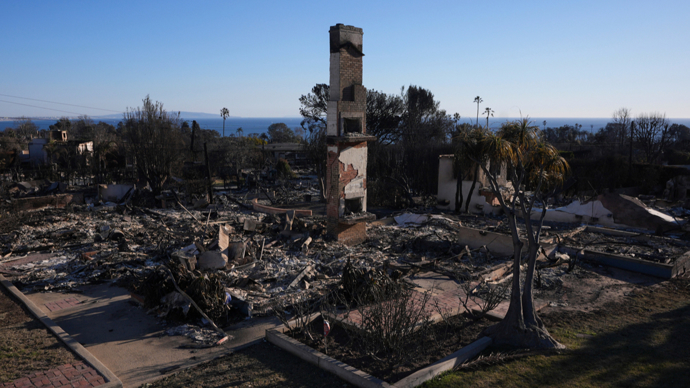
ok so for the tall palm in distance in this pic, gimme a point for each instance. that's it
(224, 113)
(478, 100)
(488, 111)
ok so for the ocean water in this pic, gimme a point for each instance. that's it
(260, 125)
(591, 124)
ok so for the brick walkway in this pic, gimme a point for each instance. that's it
(68, 375)
(448, 302)
(62, 304)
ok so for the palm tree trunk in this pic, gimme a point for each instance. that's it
(474, 183)
(477, 113)
(458, 193)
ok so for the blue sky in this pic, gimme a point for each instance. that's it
(538, 58)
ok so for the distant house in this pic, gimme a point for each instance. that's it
(482, 198)
(294, 153)
(39, 148)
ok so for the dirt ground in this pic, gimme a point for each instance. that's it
(262, 365)
(26, 345)
(589, 287)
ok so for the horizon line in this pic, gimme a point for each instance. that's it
(299, 117)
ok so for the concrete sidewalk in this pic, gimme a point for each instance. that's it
(129, 342)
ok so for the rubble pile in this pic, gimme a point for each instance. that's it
(222, 256)
(35, 188)
(652, 248)
(196, 262)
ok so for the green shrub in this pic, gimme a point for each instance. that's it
(284, 170)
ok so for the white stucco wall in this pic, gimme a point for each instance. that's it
(447, 187)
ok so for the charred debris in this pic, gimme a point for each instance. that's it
(251, 250)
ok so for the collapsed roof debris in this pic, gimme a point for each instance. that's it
(613, 210)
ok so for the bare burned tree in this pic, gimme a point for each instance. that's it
(25, 128)
(653, 135)
(155, 141)
(384, 114)
(622, 119)
(313, 110)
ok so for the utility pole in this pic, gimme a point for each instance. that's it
(208, 176)
(632, 133)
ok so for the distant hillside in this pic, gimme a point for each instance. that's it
(185, 115)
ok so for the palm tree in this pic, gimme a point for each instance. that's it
(461, 161)
(538, 168)
(488, 111)
(474, 156)
(239, 131)
(478, 100)
(224, 113)
(544, 125)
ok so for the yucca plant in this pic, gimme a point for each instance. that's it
(537, 166)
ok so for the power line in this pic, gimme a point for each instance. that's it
(40, 107)
(61, 103)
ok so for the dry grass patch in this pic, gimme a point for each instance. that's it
(641, 342)
(26, 346)
(263, 365)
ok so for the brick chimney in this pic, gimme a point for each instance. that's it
(346, 172)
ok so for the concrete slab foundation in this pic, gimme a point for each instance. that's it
(131, 343)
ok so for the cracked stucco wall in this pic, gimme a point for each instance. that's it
(353, 168)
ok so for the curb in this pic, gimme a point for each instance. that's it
(364, 380)
(71, 343)
(444, 364)
(340, 369)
